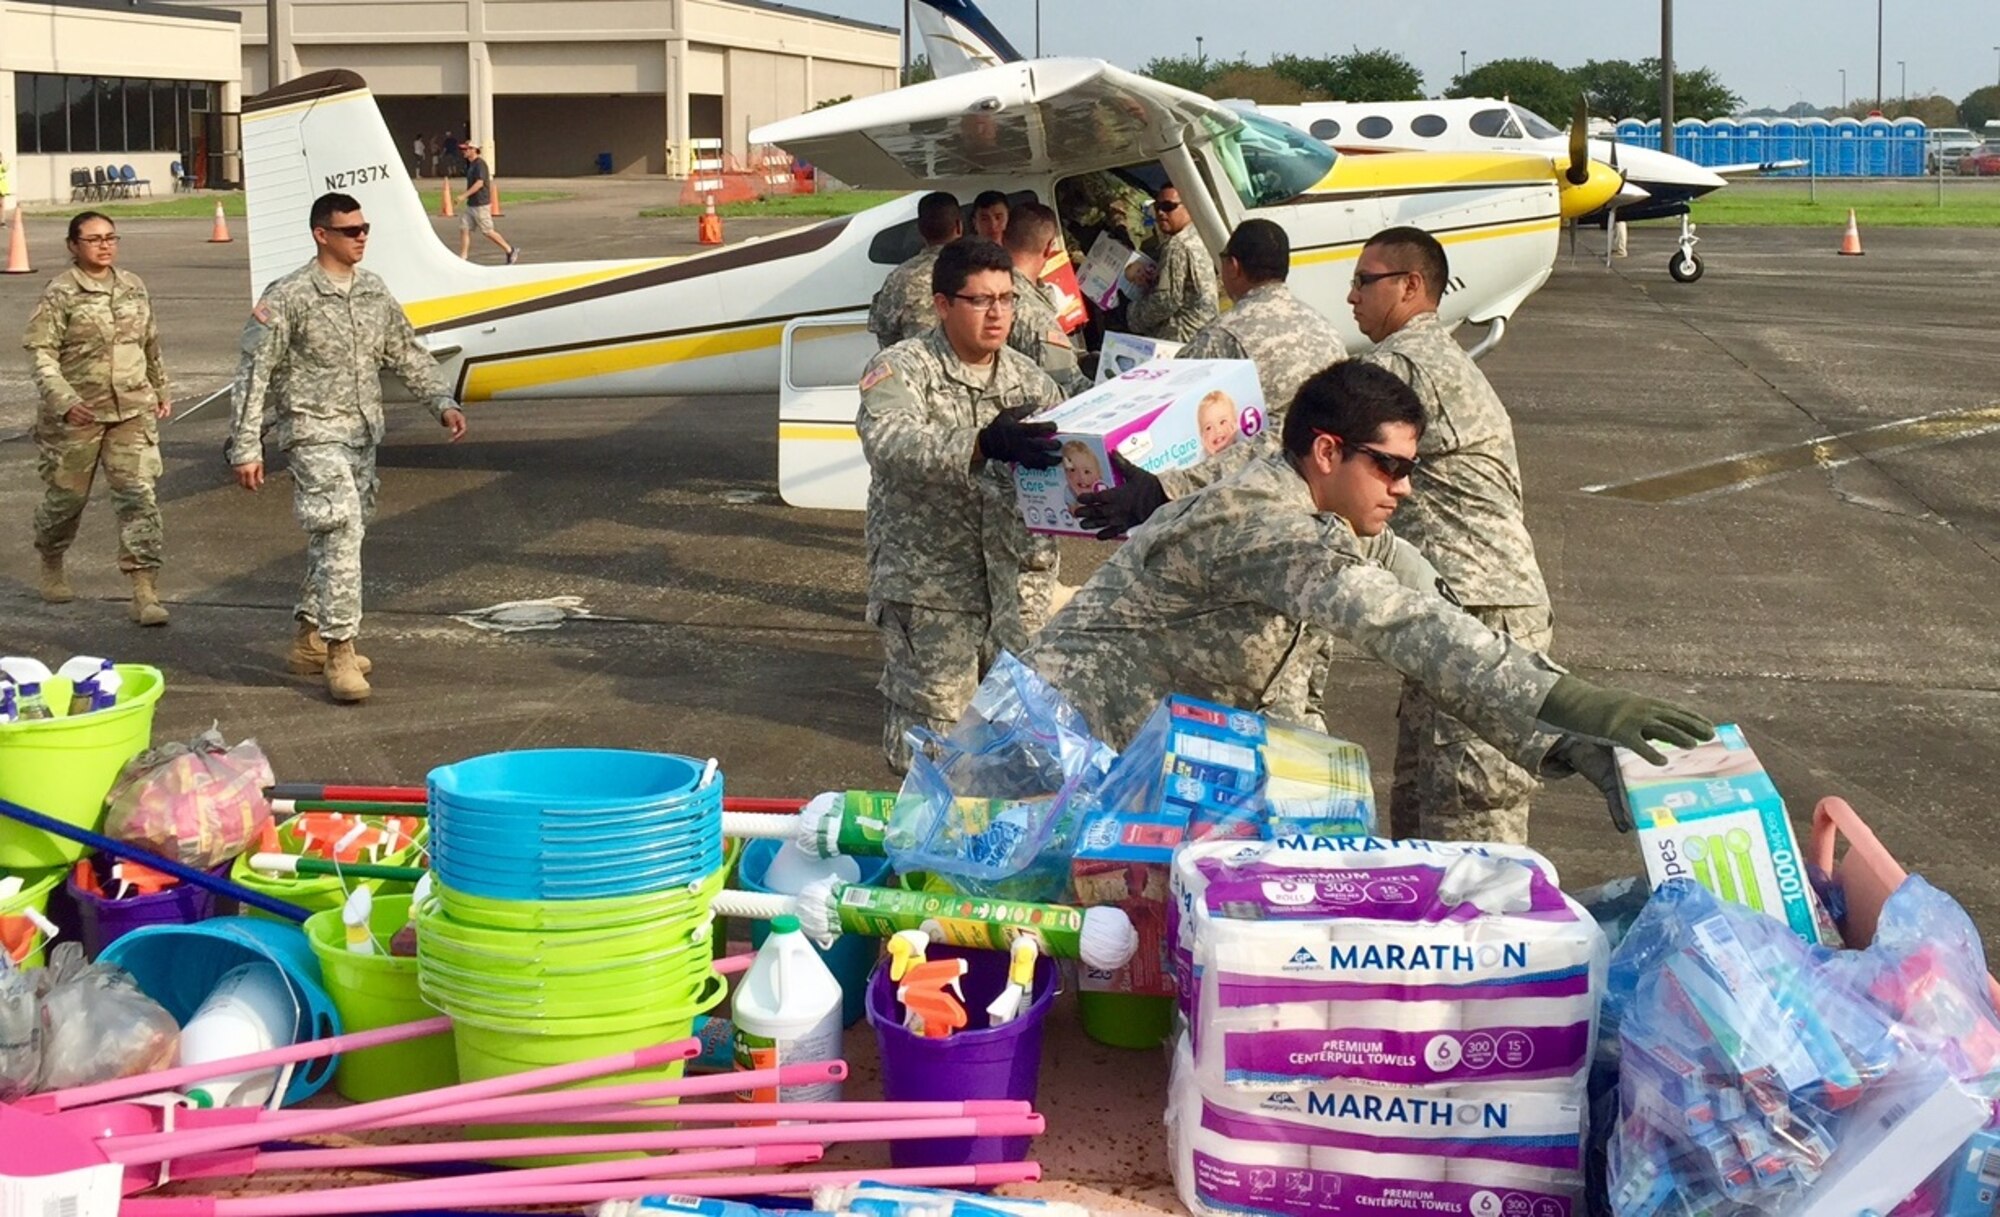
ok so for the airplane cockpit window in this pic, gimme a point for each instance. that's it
(895, 244)
(1496, 124)
(1268, 162)
(1430, 126)
(1537, 126)
(1325, 128)
(1374, 127)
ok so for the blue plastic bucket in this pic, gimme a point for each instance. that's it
(851, 957)
(532, 781)
(179, 965)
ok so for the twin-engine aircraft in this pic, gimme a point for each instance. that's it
(785, 313)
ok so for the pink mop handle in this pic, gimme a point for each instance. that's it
(620, 1143)
(624, 1177)
(544, 1107)
(158, 1147)
(989, 1174)
(744, 1113)
(54, 1101)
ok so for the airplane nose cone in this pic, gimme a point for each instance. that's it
(1595, 192)
(1629, 194)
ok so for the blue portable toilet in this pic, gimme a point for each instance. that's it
(1691, 140)
(1787, 143)
(1912, 141)
(1751, 143)
(1631, 131)
(1725, 141)
(1652, 138)
(1878, 137)
(1828, 160)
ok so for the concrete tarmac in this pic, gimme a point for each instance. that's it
(1844, 613)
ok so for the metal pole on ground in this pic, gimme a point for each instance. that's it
(1667, 76)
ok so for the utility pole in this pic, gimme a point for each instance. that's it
(905, 73)
(1667, 76)
(1843, 88)
(273, 71)
(1878, 54)
(1038, 29)
(1903, 92)
(1200, 58)
(1996, 76)
(1461, 63)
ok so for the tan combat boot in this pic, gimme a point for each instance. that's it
(55, 583)
(343, 674)
(308, 654)
(146, 606)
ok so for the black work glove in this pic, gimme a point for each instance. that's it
(1125, 506)
(1616, 716)
(1593, 762)
(1011, 438)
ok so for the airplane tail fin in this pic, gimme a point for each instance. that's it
(324, 133)
(959, 38)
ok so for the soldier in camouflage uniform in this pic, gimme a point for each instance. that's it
(943, 422)
(1466, 515)
(902, 308)
(1032, 232)
(95, 352)
(1204, 599)
(316, 343)
(1180, 289)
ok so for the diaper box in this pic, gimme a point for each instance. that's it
(1712, 814)
(1168, 414)
(1120, 353)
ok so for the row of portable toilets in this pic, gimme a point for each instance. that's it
(1839, 147)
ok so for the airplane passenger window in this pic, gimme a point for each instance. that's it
(1325, 128)
(1492, 124)
(895, 245)
(1538, 127)
(1429, 126)
(1374, 127)
(1268, 162)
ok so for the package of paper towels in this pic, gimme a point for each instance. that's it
(1328, 1151)
(1394, 964)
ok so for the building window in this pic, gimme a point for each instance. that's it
(106, 114)
(1374, 127)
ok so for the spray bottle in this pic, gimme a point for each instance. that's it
(85, 674)
(251, 1009)
(9, 711)
(354, 917)
(28, 675)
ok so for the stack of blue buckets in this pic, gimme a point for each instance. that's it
(569, 915)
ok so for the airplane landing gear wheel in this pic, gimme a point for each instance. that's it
(1685, 268)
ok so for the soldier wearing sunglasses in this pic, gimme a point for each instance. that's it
(1214, 595)
(1180, 290)
(1465, 512)
(315, 345)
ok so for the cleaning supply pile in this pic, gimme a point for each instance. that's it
(529, 957)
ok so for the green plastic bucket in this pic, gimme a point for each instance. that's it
(317, 893)
(498, 1048)
(1126, 1020)
(559, 951)
(379, 990)
(597, 914)
(64, 766)
(16, 930)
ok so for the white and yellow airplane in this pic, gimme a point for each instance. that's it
(786, 312)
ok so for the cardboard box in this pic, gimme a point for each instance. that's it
(1120, 353)
(1712, 814)
(1107, 271)
(1168, 414)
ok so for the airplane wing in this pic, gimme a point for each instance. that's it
(1751, 168)
(1056, 117)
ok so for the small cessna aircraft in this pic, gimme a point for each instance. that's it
(786, 313)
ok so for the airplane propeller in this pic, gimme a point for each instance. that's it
(1579, 145)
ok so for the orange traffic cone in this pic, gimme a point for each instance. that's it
(1850, 244)
(17, 247)
(493, 189)
(709, 230)
(220, 235)
(444, 191)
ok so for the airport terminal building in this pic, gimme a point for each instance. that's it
(548, 86)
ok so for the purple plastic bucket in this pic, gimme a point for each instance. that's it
(104, 922)
(975, 1062)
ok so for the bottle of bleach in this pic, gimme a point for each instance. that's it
(787, 1012)
(251, 1009)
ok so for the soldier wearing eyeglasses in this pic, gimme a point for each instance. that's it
(1213, 595)
(1180, 290)
(1465, 512)
(953, 574)
(95, 351)
(315, 345)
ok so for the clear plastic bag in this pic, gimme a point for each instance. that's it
(200, 803)
(1763, 1076)
(98, 1025)
(993, 807)
(20, 1032)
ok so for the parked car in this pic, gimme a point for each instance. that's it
(1948, 144)
(1983, 163)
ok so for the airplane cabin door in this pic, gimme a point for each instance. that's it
(820, 362)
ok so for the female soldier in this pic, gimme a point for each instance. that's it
(96, 358)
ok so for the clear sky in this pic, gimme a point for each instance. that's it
(1772, 52)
